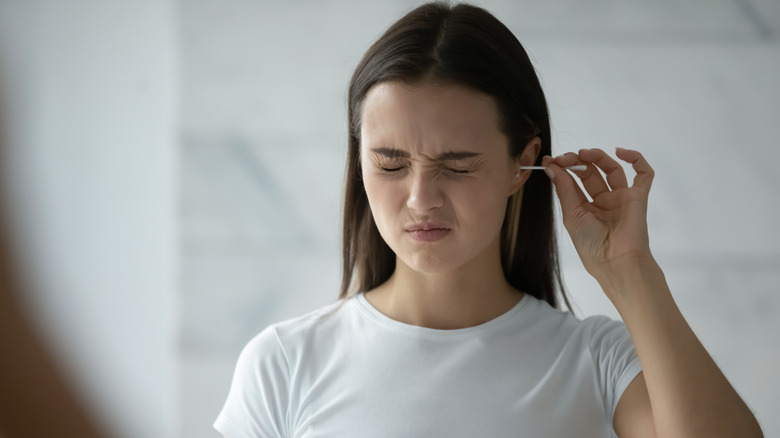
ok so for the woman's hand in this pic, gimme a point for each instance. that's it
(610, 233)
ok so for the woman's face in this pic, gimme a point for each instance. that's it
(437, 172)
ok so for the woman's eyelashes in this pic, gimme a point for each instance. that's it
(390, 169)
(457, 168)
(397, 169)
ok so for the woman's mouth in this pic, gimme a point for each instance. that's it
(427, 233)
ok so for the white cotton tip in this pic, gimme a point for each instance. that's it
(579, 167)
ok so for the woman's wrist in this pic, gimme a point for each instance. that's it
(629, 279)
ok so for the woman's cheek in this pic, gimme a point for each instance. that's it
(380, 196)
(480, 202)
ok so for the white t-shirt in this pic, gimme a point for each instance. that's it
(532, 372)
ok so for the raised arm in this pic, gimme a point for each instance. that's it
(681, 388)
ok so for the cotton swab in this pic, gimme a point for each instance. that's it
(579, 167)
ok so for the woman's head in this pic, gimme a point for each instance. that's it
(435, 58)
(437, 173)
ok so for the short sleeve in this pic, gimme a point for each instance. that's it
(615, 359)
(257, 403)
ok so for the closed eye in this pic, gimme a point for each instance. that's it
(391, 169)
(396, 169)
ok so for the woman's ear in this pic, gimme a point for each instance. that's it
(527, 158)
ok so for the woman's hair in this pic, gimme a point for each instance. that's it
(465, 45)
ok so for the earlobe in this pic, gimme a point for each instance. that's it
(518, 182)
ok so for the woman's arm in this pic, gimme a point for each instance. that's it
(681, 387)
(688, 393)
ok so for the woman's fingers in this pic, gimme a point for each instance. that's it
(572, 196)
(595, 159)
(616, 176)
(592, 180)
(644, 173)
(568, 192)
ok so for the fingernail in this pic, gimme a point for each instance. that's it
(549, 173)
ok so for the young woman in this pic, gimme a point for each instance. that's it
(447, 324)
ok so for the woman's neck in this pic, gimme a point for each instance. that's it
(467, 296)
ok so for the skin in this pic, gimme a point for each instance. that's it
(457, 282)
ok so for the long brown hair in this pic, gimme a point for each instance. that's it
(466, 45)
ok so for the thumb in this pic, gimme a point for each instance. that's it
(569, 193)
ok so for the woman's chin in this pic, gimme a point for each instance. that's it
(430, 264)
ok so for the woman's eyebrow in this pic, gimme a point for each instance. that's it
(455, 156)
(446, 156)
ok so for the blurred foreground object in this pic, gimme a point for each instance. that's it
(36, 400)
(89, 93)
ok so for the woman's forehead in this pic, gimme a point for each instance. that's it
(431, 118)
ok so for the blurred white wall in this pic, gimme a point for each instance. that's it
(89, 92)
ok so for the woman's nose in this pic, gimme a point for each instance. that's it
(424, 193)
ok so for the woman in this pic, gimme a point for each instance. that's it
(447, 324)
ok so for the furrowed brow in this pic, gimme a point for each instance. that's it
(455, 156)
(446, 156)
(391, 153)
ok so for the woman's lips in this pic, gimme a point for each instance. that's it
(430, 235)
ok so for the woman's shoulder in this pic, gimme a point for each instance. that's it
(567, 323)
(286, 334)
(311, 320)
